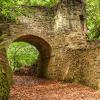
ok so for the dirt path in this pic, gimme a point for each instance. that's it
(32, 88)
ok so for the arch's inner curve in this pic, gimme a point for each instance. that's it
(42, 46)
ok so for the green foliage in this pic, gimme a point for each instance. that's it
(45, 3)
(93, 18)
(4, 84)
(21, 54)
(9, 9)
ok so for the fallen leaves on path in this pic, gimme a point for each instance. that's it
(32, 88)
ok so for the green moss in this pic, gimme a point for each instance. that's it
(4, 85)
(5, 76)
(44, 3)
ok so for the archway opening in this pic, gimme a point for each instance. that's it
(22, 58)
(30, 46)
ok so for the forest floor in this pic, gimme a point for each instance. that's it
(32, 88)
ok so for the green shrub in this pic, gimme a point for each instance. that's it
(5, 78)
(93, 18)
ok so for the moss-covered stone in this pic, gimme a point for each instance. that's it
(5, 78)
(4, 86)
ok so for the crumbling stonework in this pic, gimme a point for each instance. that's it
(59, 34)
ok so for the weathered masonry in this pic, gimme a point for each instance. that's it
(59, 34)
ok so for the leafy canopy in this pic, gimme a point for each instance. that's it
(12, 8)
(21, 54)
(93, 18)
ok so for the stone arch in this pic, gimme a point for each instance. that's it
(43, 47)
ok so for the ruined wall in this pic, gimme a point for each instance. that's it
(91, 64)
(70, 23)
(82, 65)
(63, 27)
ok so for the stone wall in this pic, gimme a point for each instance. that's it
(91, 65)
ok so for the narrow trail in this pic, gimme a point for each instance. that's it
(33, 88)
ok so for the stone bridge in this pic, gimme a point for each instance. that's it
(59, 33)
